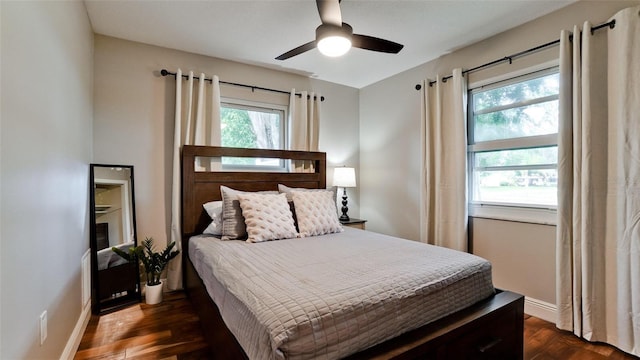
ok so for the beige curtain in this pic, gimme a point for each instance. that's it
(598, 233)
(624, 172)
(304, 125)
(444, 170)
(582, 145)
(197, 122)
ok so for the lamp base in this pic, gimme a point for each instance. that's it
(345, 209)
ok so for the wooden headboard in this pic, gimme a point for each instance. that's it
(201, 187)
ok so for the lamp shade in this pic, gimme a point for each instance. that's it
(344, 177)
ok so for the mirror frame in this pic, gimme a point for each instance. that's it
(104, 306)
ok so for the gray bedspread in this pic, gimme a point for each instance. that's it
(329, 296)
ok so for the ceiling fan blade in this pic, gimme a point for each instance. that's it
(297, 51)
(375, 44)
(329, 11)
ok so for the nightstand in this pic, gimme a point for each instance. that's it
(354, 223)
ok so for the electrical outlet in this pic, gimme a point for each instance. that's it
(43, 327)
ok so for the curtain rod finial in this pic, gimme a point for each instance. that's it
(164, 72)
(418, 86)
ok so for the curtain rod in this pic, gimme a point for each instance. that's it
(165, 72)
(611, 24)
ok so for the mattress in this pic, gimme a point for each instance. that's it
(329, 296)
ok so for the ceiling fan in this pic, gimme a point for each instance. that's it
(335, 38)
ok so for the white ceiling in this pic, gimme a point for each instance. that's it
(256, 31)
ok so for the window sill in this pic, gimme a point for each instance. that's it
(542, 216)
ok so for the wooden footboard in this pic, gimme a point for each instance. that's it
(490, 329)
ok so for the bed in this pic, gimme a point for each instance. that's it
(242, 309)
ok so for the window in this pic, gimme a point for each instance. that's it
(252, 125)
(513, 152)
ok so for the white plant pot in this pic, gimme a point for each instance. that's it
(153, 294)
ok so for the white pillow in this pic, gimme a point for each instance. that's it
(214, 209)
(316, 212)
(232, 221)
(287, 190)
(267, 217)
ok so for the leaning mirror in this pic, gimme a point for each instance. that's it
(114, 281)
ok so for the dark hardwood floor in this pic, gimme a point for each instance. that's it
(542, 341)
(171, 330)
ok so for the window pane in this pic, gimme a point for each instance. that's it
(250, 161)
(537, 187)
(533, 156)
(250, 129)
(512, 172)
(537, 119)
(529, 89)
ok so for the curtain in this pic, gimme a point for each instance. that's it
(304, 125)
(197, 122)
(624, 171)
(598, 233)
(444, 168)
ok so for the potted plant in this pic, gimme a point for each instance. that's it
(154, 263)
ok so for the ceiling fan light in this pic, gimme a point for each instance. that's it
(334, 46)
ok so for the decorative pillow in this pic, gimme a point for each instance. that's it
(232, 221)
(214, 209)
(284, 189)
(316, 212)
(267, 217)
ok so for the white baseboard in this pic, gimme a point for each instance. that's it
(540, 309)
(76, 336)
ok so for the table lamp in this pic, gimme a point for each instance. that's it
(344, 177)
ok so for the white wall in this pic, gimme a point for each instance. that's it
(46, 114)
(528, 267)
(134, 111)
(390, 150)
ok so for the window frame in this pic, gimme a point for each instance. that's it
(244, 104)
(524, 212)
